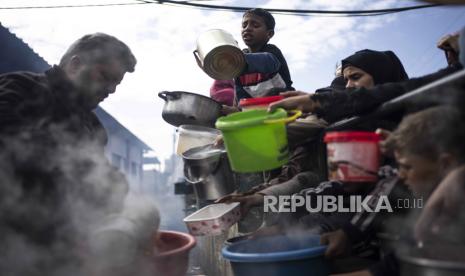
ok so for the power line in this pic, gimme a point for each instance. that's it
(76, 6)
(238, 8)
(138, 2)
(294, 11)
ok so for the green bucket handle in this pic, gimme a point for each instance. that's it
(292, 118)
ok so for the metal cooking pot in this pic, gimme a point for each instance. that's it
(435, 261)
(186, 108)
(219, 55)
(209, 171)
(411, 265)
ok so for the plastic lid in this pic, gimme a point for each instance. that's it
(260, 101)
(348, 136)
(248, 118)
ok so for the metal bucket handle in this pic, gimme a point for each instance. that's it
(215, 169)
(197, 58)
(187, 177)
(297, 114)
(166, 95)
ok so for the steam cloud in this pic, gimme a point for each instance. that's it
(56, 189)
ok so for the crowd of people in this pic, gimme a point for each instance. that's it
(423, 150)
(57, 183)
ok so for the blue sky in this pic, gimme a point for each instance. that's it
(411, 35)
(163, 38)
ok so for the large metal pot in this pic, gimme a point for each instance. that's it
(186, 108)
(219, 55)
(438, 261)
(209, 171)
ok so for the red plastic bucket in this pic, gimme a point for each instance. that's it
(353, 156)
(258, 103)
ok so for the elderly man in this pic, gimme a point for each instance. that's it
(55, 180)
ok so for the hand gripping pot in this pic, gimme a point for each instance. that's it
(256, 140)
(219, 55)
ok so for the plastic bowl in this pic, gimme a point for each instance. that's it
(171, 252)
(278, 256)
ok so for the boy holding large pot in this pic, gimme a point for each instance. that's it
(266, 72)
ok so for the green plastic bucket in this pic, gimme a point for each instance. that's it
(256, 140)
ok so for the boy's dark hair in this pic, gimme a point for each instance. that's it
(266, 15)
(100, 48)
(429, 133)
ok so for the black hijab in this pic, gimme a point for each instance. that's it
(382, 66)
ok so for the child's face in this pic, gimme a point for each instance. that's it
(420, 174)
(254, 31)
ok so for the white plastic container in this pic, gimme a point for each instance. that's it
(190, 136)
(213, 219)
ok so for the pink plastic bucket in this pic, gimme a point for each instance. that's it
(353, 156)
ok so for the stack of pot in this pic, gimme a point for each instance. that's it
(207, 169)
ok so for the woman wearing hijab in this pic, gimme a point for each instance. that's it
(336, 105)
(367, 68)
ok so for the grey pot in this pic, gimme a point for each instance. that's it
(186, 108)
(210, 175)
(413, 263)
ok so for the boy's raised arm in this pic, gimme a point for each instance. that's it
(261, 62)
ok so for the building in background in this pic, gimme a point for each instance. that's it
(124, 150)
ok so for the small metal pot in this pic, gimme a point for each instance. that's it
(219, 55)
(186, 108)
(448, 261)
(411, 265)
(209, 172)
